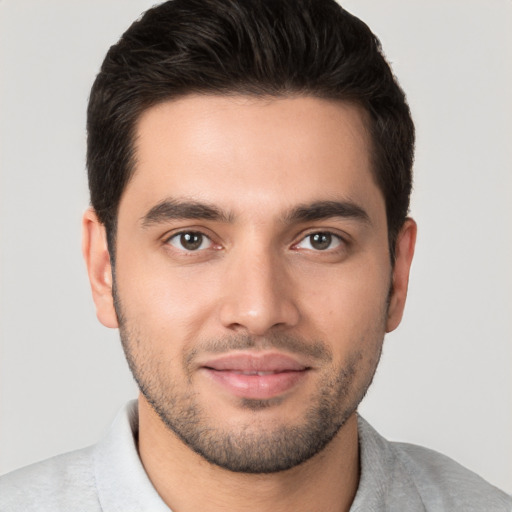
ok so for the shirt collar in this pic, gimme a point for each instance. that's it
(124, 486)
(121, 481)
(384, 484)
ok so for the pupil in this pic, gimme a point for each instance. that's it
(321, 241)
(191, 241)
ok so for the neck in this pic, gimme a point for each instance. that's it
(186, 482)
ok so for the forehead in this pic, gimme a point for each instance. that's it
(252, 154)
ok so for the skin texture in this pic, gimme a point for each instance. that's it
(216, 256)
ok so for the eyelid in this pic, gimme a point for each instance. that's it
(344, 238)
(201, 230)
(336, 240)
(166, 239)
(205, 240)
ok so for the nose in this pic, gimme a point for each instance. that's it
(258, 295)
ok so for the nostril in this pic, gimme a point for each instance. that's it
(257, 301)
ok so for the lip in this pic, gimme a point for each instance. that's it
(256, 376)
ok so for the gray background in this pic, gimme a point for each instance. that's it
(445, 379)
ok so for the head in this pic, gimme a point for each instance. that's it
(258, 48)
(250, 171)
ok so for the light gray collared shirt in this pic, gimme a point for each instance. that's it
(109, 477)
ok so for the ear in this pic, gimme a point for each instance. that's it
(97, 259)
(404, 251)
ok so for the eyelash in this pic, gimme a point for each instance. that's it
(179, 237)
(331, 237)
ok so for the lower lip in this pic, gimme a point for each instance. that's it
(257, 387)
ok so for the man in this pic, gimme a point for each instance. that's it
(250, 172)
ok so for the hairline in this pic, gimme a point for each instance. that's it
(247, 92)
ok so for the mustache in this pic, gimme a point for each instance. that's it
(316, 350)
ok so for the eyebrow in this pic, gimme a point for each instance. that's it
(173, 209)
(321, 210)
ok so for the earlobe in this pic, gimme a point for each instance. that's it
(97, 259)
(404, 253)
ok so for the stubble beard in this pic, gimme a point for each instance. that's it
(250, 449)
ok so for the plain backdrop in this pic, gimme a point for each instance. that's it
(445, 380)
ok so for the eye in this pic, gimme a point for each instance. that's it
(320, 241)
(190, 241)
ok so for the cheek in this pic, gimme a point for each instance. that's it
(348, 298)
(162, 300)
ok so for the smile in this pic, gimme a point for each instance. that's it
(256, 376)
(254, 373)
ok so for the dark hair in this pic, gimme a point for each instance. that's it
(254, 47)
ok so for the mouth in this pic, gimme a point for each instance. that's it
(254, 375)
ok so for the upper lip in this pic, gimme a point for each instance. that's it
(254, 362)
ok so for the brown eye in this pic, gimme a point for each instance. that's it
(320, 241)
(190, 241)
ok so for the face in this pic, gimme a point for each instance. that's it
(252, 277)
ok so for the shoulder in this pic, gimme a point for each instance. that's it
(401, 476)
(64, 482)
(446, 485)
